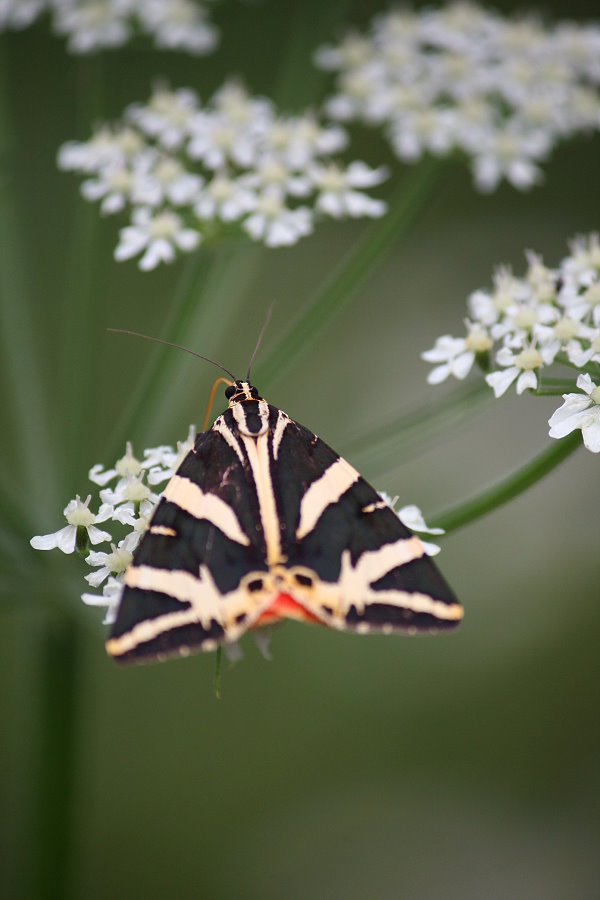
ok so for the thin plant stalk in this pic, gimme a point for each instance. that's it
(510, 486)
(408, 200)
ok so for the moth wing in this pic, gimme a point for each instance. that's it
(182, 590)
(371, 573)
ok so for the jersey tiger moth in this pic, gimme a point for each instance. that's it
(261, 522)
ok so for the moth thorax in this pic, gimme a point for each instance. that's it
(240, 391)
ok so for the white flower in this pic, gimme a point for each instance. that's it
(106, 149)
(128, 490)
(456, 355)
(273, 174)
(167, 115)
(19, 13)
(164, 465)
(93, 25)
(163, 179)
(503, 91)
(78, 515)
(338, 194)
(520, 366)
(511, 154)
(579, 411)
(125, 467)
(274, 223)
(579, 356)
(216, 141)
(113, 185)
(178, 25)
(224, 198)
(158, 234)
(412, 517)
(424, 128)
(110, 598)
(487, 308)
(112, 563)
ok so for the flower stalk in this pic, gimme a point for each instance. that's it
(507, 488)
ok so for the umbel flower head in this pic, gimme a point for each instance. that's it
(501, 91)
(548, 317)
(187, 172)
(92, 25)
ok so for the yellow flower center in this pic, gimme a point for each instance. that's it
(80, 514)
(136, 490)
(118, 560)
(331, 178)
(595, 396)
(529, 359)
(165, 225)
(478, 341)
(566, 329)
(525, 317)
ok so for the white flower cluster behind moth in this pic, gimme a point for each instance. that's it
(502, 91)
(548, 317)
(186, 172)
(125, 503)
(93, 25)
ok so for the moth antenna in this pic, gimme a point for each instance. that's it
(156, 340)
(260, 337)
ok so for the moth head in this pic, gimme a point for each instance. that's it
(240, 391)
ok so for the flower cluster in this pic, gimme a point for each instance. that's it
(126, 503)
(186, 172)
(460, 78)
(92, 25)
(547, 317)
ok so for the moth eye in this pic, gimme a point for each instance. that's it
(255, 585)
(305, 580)
(230, 391)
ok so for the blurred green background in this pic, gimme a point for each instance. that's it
(463, 766)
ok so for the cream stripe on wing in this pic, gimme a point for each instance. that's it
(281, 425)
(179, 585)
(374, 564)
(191, 498)
(228, 436)
(326, 490)
(258, 456)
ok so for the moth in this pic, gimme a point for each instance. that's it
(261, 522)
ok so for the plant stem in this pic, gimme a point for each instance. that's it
(25, 408)
(58, 669)
(408, 432)
(511, 486)
(379, 237)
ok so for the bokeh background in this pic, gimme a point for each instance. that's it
(464, 766)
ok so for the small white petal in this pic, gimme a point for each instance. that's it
(97, 536)
(501, 381)
(591, 434)
(439, 374)
(527, 380)
(51, 541)
(67, 539)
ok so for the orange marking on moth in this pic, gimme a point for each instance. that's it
(285, 607)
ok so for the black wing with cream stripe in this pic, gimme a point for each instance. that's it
(371, 571)
(262, 509)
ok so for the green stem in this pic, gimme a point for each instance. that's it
(377, 239)
(511, 486)
(408, 432)
(162, 359)
(58, 670)
(25, 408)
